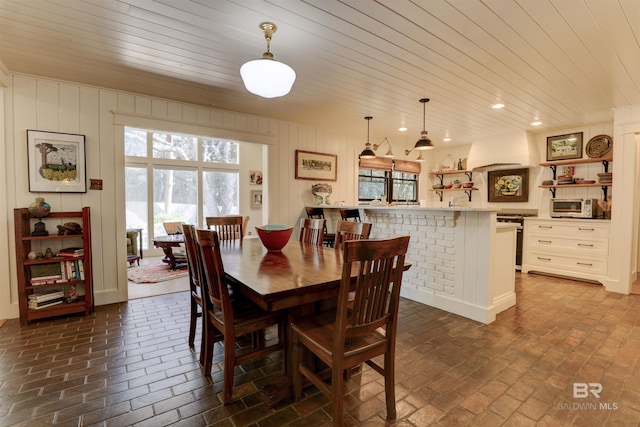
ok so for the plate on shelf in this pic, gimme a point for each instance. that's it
(599, 146)
(448, 163)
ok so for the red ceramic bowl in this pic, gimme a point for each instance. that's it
(274, 237)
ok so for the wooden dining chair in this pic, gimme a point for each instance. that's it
(350, 214)
(347, 337)
(350, 230)
(229, 319)
(312, 231)
(195, 300)
(318, 213)
(228, 227)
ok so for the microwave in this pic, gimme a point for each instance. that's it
(574, 208)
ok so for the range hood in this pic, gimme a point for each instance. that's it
(512, 150)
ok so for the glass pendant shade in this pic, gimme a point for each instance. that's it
(267, 77)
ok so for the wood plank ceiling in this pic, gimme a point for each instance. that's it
(566, 63)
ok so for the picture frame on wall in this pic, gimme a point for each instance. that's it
(255, 177)
(256, 198)
(316, 166)
(564, 147)
(56, 162)
(508, 185)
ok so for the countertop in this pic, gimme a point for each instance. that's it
(410, 208)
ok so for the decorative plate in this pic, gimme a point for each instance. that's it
(599, 145)
(448, 163)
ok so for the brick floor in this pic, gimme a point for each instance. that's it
(129, 364)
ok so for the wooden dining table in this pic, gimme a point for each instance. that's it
(301, 279)
(296, 280)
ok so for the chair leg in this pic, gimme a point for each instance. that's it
(203, 338)
(389, 385)
(229, 365)
(337, 396)
(192, 322)
(296, 350)
(209, 341)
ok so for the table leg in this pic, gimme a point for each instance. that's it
(169, 258)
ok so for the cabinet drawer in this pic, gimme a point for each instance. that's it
(591, 265)
(597, 246)
(580, 229)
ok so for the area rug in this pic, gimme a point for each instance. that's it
(155, 273)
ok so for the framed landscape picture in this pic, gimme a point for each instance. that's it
(564, 147)
(56, 162)
(508, 185)
(316, 166)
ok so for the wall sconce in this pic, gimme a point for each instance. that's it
(389, 153)
(419, 159)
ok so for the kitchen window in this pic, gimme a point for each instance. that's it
(396, 180)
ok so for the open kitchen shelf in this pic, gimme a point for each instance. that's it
(555, 163)
(441, 174)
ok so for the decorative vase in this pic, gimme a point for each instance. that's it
(39, 208)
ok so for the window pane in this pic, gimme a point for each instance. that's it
(136, 200)
(405, 187)
(216, 151)
(178, 147)
(370, 188)
(175, 197)
(135, 142)
(220, 193)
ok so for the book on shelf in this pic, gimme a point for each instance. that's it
(44, 280)
(72, 269)
(45, 296)
(38, 305)
(71, 252)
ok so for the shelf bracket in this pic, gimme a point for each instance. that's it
(605, 190)
(553, 169)
(441, 178)
(468, 193)
(553, 190)
(605, 166)
(440, 193)
(469, 175)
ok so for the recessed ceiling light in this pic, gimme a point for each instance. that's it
(536, 123)
(402, 129)
(497, 106)
(447, 139)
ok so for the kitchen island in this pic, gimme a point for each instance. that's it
(462, 260)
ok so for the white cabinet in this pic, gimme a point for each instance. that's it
(567, 247)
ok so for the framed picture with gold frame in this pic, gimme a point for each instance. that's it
(316, 166)
(508, 185)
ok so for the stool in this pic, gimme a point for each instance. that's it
(133, 258)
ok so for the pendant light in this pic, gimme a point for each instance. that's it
(389, 153)
(267, 77)
(367, 153)
(424, 143)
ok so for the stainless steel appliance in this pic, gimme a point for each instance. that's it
(517, 217)
(574, 208)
